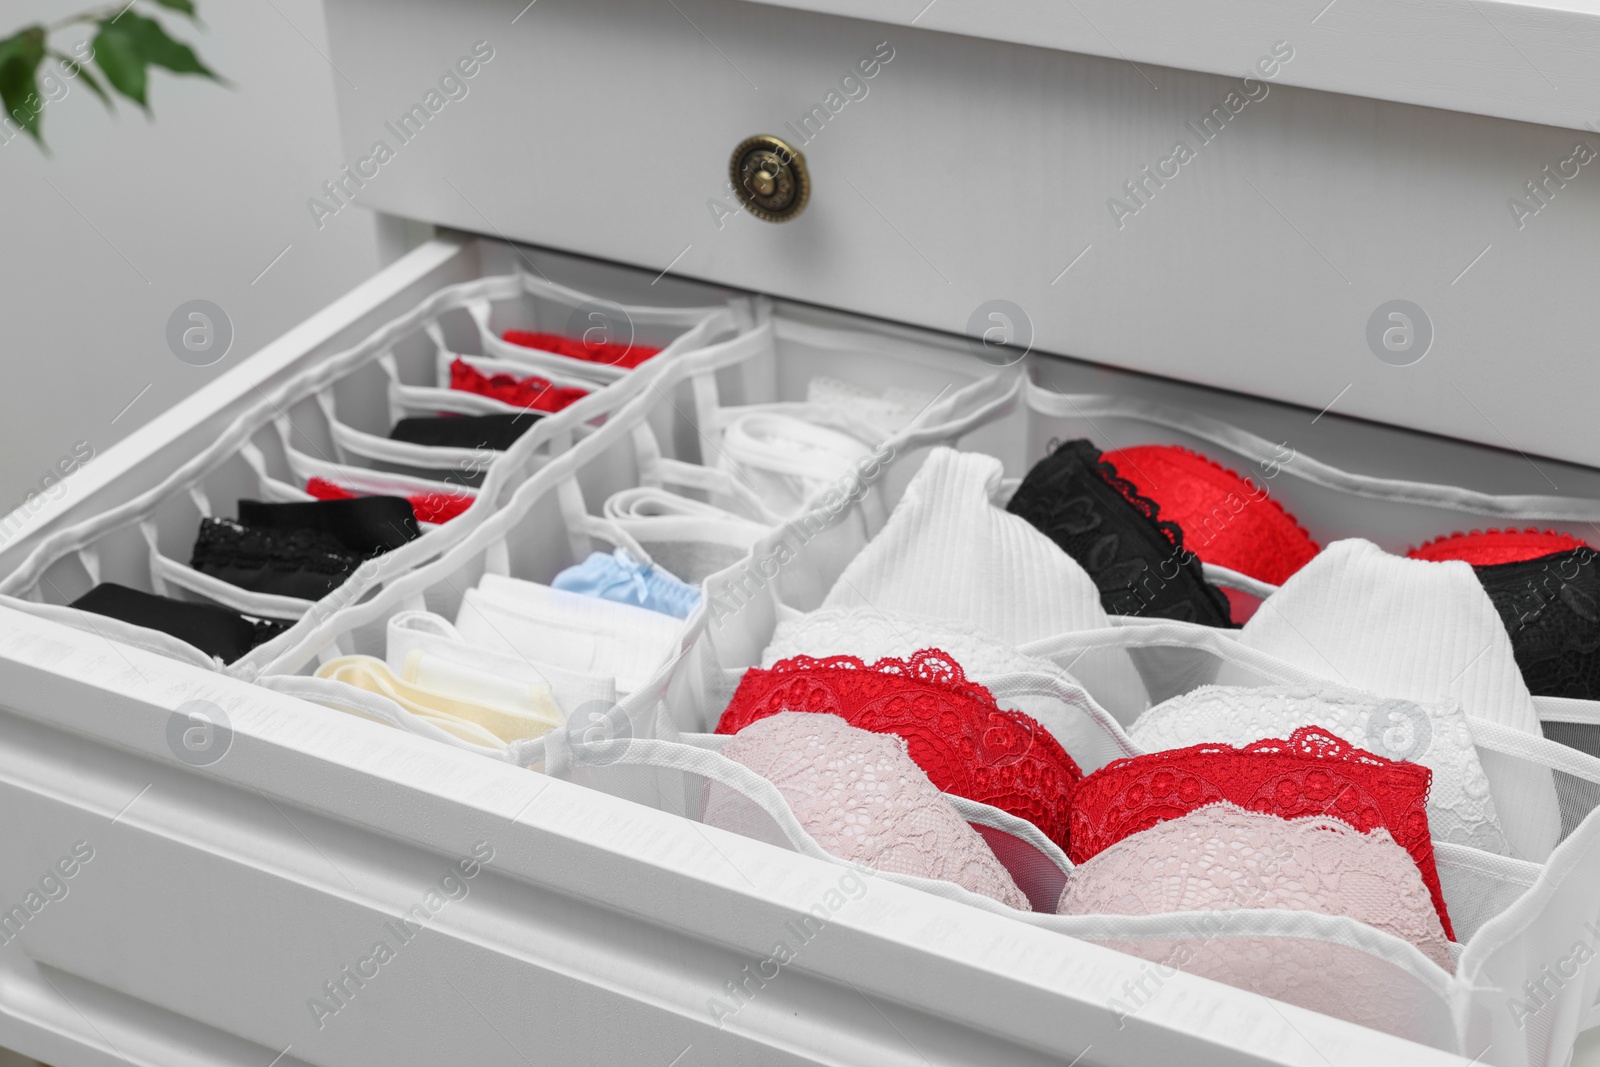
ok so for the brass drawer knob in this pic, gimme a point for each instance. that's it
(770, 178)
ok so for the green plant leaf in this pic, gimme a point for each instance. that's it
(117, 54)
(162, 51)
(20, 56)
(185, 6)
(78, 70)
(128, 45)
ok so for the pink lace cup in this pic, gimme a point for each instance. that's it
(861, 798)
(1223, 858)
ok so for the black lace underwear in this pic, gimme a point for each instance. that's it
(366, 525)
(308, 564)
(214, 630)
(1551, 608)
(1100, 519)
(466, 431)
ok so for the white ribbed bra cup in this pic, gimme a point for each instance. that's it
(947, 552)
(1420, 631)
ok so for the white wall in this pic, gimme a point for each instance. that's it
(128, 218)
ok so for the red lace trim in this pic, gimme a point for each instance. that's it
(429, 507)
(1311, 773)
(1485, 548)
(612, 355)
(966, 743)
(530, 392)
(1258, 537)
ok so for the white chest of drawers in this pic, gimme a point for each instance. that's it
(997, 152)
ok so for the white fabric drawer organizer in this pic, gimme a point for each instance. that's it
(648, 438)
(602, 919)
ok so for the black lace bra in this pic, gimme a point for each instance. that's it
(367, 525)
(303, 550)
(1099, 518)
(308, 564)
(214, 630)
(1551, 609)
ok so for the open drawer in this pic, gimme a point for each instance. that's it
(229, 908)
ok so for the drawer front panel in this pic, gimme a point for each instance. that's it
(968, 171)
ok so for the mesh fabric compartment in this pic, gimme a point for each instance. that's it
(328, 421)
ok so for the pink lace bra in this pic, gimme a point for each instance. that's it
(1313, 773)
(860, 797)
(1222, 858)
(955, 732)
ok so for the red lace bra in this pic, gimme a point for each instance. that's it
(957, 734)
(1225, 519)
(1312, 773)
(429, 507)
(1483, 548)
(530, 392)
(612, 355)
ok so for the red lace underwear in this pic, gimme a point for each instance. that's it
(1225, 519)
(429, 507)
(612, 355)
(1312, 773)
(1485, 548)
(953, 728)
(530, 392)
